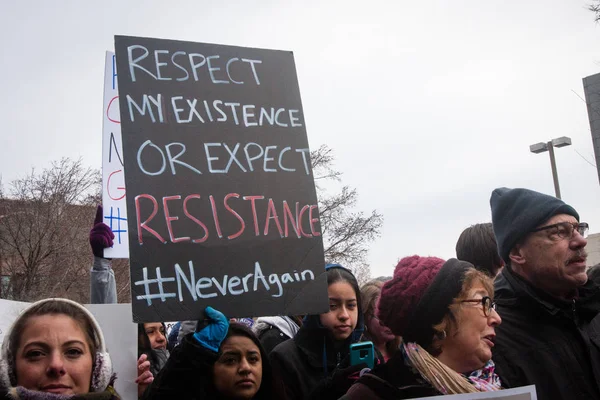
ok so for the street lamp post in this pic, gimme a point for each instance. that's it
(549, 147)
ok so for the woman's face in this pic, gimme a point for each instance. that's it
(469, 346)
(54, 356)
(379, 333)
(343, 310)
(156, 334)
(238, 371)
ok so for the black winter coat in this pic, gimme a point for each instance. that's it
(312, 365)
(188, 375)
(552, 343)
(390, 381)
(303, 366)
(272, 337)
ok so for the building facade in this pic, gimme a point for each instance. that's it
(591, 88)
(593, 249)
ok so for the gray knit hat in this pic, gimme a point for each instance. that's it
(516, 212)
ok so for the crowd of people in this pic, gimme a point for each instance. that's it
(517, 306)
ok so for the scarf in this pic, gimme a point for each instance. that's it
(20, 393)
(446, 380)
(158, 359)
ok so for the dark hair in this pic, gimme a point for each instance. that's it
(144, 345)
(477, 245)
(336, 273)
(266, 386)
(51, 307)
(340, 274)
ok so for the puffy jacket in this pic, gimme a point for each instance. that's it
(272, 331)
(271, 337)
(551, 343)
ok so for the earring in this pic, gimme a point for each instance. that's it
(441, 335)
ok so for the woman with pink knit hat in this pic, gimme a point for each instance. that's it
(445, 313)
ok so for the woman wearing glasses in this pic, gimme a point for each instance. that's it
(446, 316)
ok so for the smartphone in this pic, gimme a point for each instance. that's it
(362, 352)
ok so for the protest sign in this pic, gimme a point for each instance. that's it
(119, 332)
(520, 393)
(219, 183)
(113, 181)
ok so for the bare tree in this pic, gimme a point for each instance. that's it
(45, 220)
(595, 8)
(346, 232)
(121, 268)
(44, 223)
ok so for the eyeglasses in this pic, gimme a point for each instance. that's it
(487, 303)
(565, 230)
(373, 316)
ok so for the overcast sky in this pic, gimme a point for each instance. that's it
(429, 105)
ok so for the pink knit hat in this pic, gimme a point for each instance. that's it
(401, 294)
(419, 294)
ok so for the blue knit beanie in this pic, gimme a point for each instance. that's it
(516, 212)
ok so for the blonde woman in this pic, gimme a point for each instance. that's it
(445, 313)
(383, 338)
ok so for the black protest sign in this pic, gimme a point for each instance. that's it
(220, 192)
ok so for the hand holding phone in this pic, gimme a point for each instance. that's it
(363, 352)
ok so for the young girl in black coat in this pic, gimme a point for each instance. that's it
(315, 363)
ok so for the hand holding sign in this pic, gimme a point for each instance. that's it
(213, 334)
(101, 236)
(145, 377)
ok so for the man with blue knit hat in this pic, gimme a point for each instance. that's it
(550, 332)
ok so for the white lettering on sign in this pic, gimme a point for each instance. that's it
(208, 287)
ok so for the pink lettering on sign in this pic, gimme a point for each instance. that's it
(304, 216)
(108, 186)
(108, 113)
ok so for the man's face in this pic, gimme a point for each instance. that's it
(551, 262)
